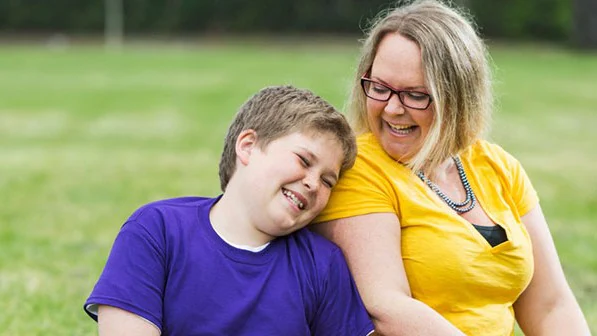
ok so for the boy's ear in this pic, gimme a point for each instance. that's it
(245, 143)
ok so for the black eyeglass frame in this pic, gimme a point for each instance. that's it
(398, 93)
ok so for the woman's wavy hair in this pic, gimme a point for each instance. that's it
(456, 69)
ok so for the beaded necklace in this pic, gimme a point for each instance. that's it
(460, 207)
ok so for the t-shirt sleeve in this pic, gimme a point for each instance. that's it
(521, 189)
(340, 311)
(134, 276)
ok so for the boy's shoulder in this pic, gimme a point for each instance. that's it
(314, 245)
(179, 202)
(169, 215)
(313, 238)
(189, 205)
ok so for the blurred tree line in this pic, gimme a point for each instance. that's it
(555, 20)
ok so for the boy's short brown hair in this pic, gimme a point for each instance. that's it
(277, 111)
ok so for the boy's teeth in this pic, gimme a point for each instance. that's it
(294, 199)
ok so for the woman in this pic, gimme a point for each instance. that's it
(442, 230)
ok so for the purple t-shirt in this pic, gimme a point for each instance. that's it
(170, 267)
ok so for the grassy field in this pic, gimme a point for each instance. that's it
(86, 136)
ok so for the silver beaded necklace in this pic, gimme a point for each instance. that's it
(460, 207)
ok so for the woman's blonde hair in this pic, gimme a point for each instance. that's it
(456, 69)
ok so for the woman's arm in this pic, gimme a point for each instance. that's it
(114, 321)
(547, 306)
(371, 245)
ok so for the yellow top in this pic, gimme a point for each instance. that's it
(449, 264)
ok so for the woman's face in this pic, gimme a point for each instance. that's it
(399, 129)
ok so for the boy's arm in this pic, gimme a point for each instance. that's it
(341, 310)
(114, 321)
(134, 276)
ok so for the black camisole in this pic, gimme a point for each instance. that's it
(494, 235)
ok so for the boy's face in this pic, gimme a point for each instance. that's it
(290, 180)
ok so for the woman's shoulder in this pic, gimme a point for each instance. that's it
(367, 144)
(373, 163)
(485, 147)
(371, 153)
(483, 152)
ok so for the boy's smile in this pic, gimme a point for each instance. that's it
(279, 187)
(295, 198)
(289, 181)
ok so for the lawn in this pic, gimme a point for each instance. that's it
(86, 136)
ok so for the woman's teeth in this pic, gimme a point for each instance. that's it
(293, 198)
(402, 129)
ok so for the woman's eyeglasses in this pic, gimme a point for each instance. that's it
(380, 92)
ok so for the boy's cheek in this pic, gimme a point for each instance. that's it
(323, 202)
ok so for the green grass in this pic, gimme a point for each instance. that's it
(86, 136)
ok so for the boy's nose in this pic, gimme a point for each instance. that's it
(311, 182)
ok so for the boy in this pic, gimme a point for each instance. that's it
(241, 263)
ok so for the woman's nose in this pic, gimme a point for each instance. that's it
(394, 105)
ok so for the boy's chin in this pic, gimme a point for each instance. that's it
(283, 231)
